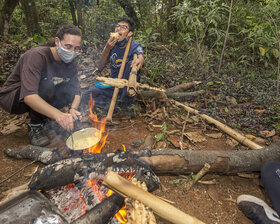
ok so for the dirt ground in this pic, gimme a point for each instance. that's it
(213, 204)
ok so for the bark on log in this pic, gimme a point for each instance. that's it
(161, 162)
(183, 87)
(224, 162)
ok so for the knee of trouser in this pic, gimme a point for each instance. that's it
(268, 170)
(93, 92)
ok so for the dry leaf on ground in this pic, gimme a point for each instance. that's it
(214, 135)
(195, 136)
(267, 133)
(175, 140)
(10, 128)
(232, 142)
(213, 193)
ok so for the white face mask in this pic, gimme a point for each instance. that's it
(65, 55)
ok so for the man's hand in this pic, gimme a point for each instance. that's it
(65, 120)
(139, 62)
(75, 114)
(111, 42)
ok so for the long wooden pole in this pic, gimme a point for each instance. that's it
(131, 86)
(116, 90)
(160, 207)
(242, 139)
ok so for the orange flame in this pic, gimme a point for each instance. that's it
(99, 125)
(121, 214)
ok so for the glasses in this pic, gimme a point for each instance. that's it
(122, 27)
(71, 48)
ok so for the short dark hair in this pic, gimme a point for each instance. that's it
(130, 22)
(68, 29)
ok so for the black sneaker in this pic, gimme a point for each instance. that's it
(37, 136)
(257, 210)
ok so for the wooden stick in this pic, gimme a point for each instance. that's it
(116, 90)
(162, 208)
(200, 174)
(131, 86)
(242, 139)
(16, 172)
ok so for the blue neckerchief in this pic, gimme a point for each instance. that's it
(122, 43)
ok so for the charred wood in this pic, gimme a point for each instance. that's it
(35, 153)
(91, 166)
(103, 212)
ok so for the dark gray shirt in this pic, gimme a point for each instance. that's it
(34, 65)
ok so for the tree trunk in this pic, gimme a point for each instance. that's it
(31, 17)
(72, 10)
(161, 161)
(130, 12)
(80, 16)
(6, 14)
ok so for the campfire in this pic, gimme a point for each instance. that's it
(76, 199)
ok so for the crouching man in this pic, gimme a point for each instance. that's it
(43, 81)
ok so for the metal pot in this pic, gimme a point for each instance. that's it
(83, 139)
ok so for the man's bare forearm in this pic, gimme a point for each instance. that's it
(76, 102)
(103, 59)
(41, 106)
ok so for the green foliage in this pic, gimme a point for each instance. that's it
(161, 136)
(146, 38)
(41, 40)
(200, 23)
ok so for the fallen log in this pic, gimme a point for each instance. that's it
(171, 94)
(160, 207)
(183, 86)
(160, 161)
(242, 139)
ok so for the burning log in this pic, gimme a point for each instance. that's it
(103, 212)
(35, 153)
(91, 166)
(160, 207)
